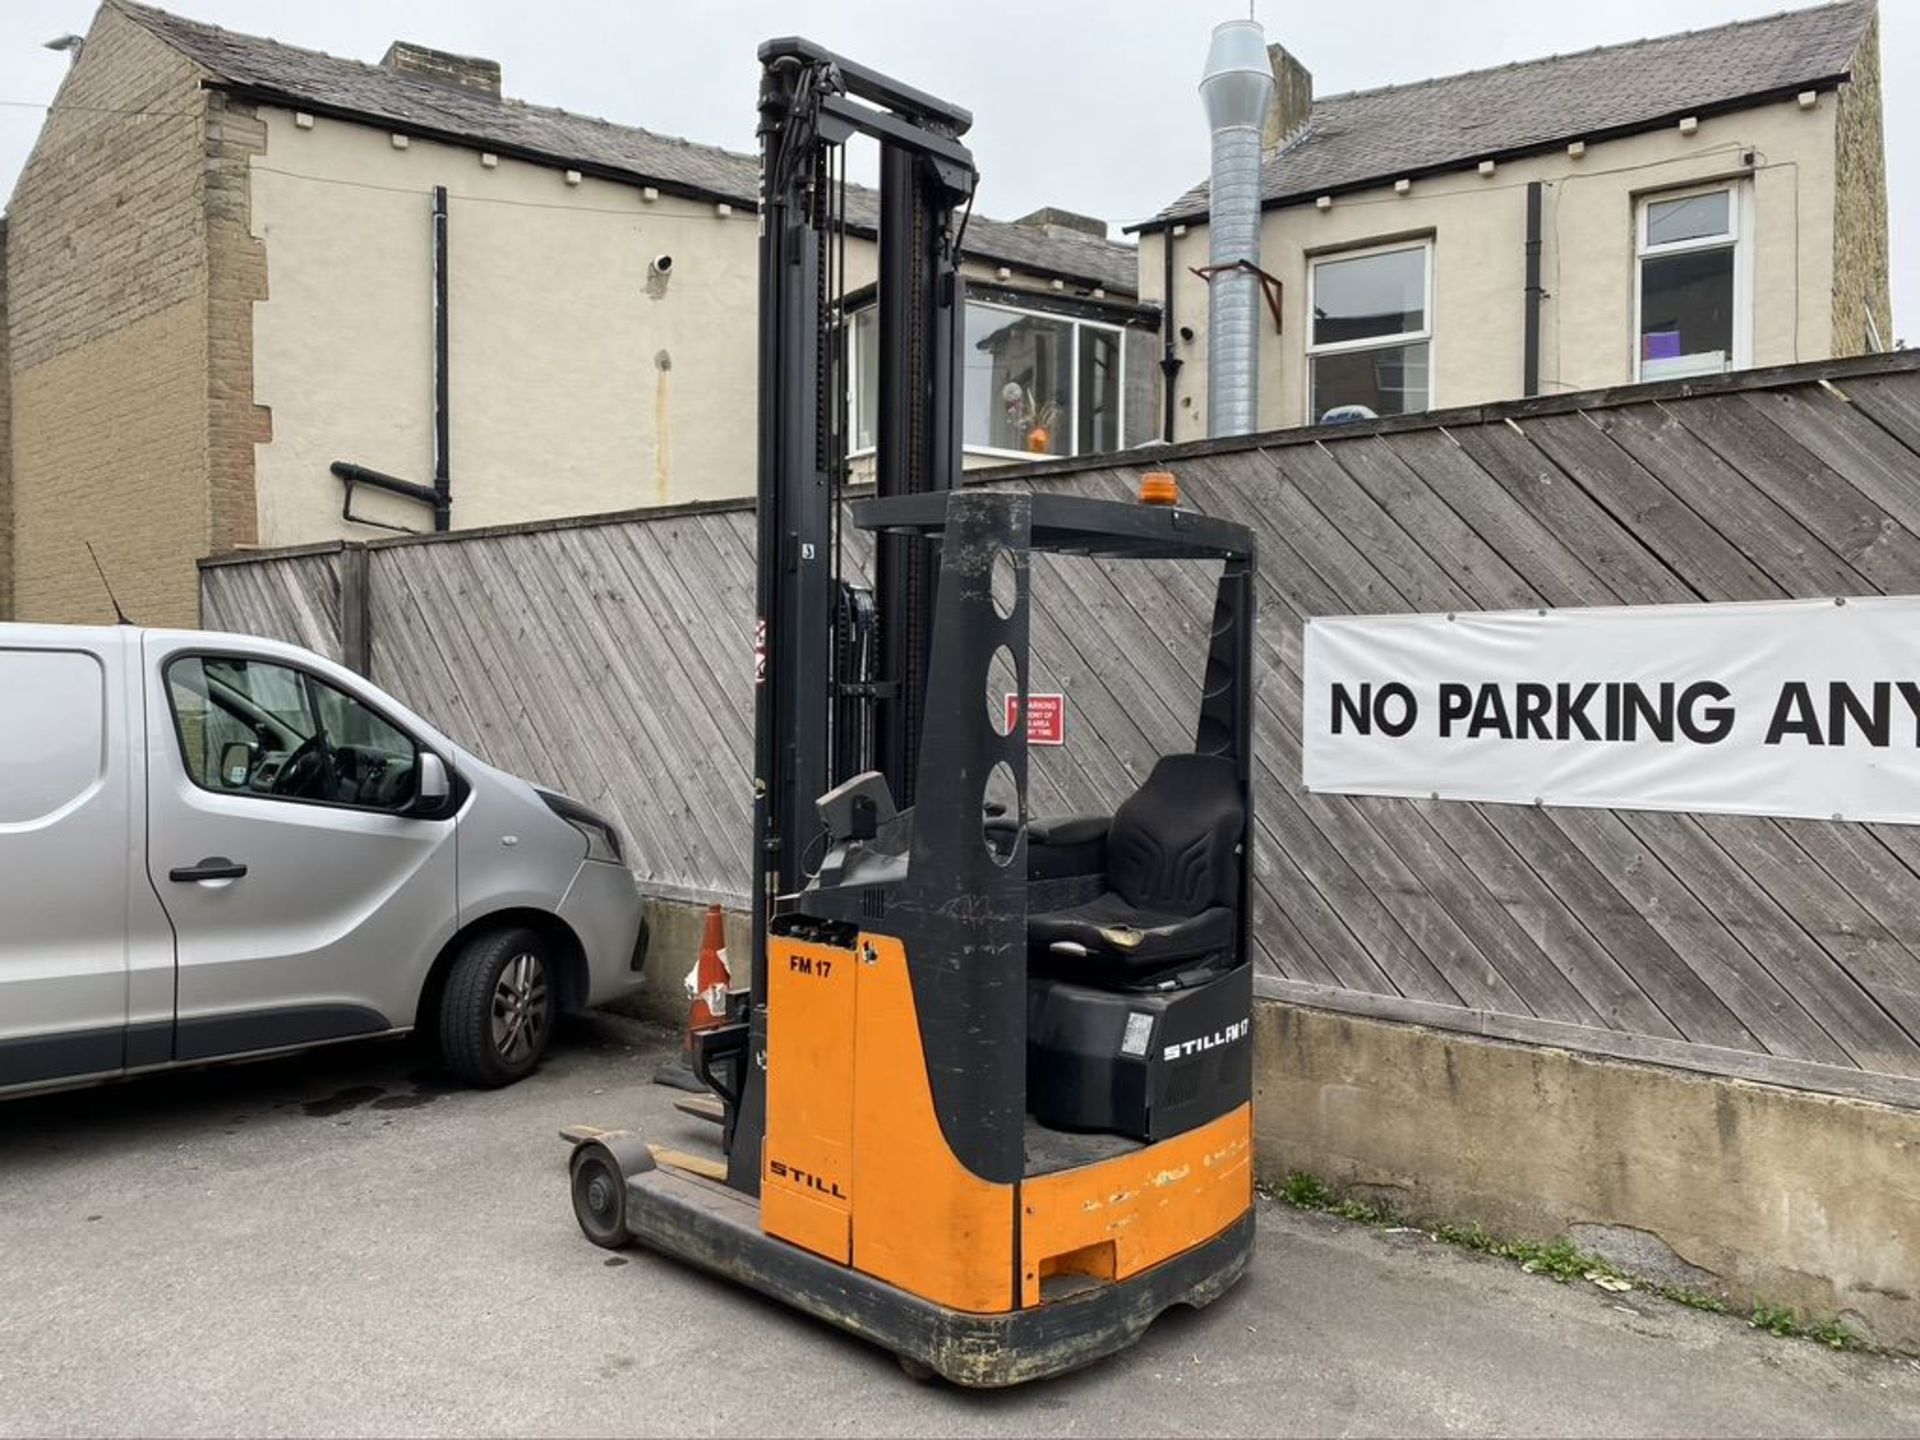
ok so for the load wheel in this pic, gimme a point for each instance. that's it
(599, 1170)
(497, 1012)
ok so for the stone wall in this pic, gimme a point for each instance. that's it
(107, 332)
(6, 446)
(1860, 285)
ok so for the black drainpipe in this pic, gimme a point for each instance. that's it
(439, 495)
(1169, 362)
(1530, 356)
(442, 475)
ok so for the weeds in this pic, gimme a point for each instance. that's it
(1832, 1332)
(1692, 1299)
(1563, 1262)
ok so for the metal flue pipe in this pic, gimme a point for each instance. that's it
(1236, 90)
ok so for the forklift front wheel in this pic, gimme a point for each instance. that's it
(600, 1189)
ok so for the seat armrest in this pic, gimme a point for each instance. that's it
(1063, 845)
(1068, 829)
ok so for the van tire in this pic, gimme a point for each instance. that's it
(509, 973)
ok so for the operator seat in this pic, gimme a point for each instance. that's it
(1172, 883)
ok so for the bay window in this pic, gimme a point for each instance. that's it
(1371, 330)
(1033, 384)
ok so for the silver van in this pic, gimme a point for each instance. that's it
(215, 846)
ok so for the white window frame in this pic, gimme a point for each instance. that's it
(1371, 342)
(1075, 322)
(1737, 237)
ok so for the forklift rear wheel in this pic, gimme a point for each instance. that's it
(600, 1195)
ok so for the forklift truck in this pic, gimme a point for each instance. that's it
(989, 1101)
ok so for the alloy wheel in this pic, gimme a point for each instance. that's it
(520, 1008)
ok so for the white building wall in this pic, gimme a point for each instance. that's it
(1478, 226)
(576, 383)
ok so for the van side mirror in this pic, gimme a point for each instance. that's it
(431, 783)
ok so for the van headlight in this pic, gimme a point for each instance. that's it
(603, 840)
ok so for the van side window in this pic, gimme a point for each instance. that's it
(53, 733)
(251, 727)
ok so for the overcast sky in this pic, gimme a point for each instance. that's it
(1090, 104)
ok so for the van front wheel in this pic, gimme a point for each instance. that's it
(497, 1012)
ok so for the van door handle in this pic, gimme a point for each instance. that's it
(214, 867)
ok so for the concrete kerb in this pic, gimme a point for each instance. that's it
(1751, 1192)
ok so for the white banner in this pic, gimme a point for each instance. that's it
(1793, 707)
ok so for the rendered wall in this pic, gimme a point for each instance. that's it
(581, 380)
(577, 382)
(1478, 226)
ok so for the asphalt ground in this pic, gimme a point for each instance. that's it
(340, 1243)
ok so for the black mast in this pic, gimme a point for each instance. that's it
(811, 103)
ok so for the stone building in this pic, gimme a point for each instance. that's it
(1696, 203)
(221, 276)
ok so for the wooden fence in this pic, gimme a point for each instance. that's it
(611, 657)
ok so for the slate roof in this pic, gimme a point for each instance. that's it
(327, 84)
(1371, 137)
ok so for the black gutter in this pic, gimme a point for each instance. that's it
(1457, 163)
(492, 145)
(1530, 343)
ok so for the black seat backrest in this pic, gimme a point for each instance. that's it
(1171, 846)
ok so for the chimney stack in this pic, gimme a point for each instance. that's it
(1292, 98)
(1052, 217)
(461, 72)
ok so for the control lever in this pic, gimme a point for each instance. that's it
(856, 809)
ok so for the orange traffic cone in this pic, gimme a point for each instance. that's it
(709, 985)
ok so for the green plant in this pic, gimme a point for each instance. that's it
(1785, 1322)
(1467, 1237)
(1306, 1192)
(1774, 1319)
(1303, 1192)
(1692, 1299)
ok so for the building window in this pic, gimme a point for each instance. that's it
(1034, 384)
(1372, 331)
(1690, 282)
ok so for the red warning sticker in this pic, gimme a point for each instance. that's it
(1046, 718)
